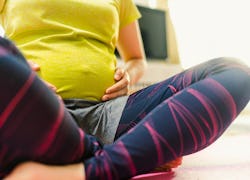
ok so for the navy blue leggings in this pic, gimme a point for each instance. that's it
(173, 118)
(177, 117)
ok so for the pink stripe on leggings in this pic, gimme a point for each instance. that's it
(14, 101)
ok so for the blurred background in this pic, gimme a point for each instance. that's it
(196, 30)
(205, 29)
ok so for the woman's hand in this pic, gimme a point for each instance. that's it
(35, 67)
(120, 88)
(37, 171)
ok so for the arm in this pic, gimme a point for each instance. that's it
(131, 49)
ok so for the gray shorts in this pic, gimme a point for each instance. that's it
(100, 119)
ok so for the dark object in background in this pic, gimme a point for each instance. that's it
(153, 31)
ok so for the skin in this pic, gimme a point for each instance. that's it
(131, 50)
(33, 170)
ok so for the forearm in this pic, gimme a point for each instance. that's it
(34, 170)
(73, 171)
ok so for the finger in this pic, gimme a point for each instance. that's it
(34, 66)
(124, 82)
(118, 86)
(51, 86)
(59, 97)
(119, 73)
(116, 94)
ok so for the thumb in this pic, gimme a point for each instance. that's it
(119, 73)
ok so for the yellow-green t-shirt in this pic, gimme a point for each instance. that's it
(73, 41)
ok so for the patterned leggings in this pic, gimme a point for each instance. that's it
(176, 117)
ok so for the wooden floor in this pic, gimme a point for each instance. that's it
(157, 71)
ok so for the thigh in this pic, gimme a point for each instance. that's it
(140, 103)
(34, 125)
(144, 101)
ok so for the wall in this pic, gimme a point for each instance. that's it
(211, 28)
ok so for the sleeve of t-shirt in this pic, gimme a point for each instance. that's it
(2, 2)
(128, 12)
